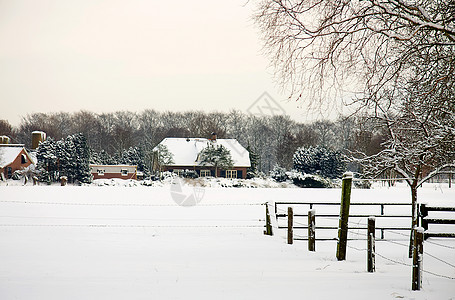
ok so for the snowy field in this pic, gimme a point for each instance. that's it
(135, 243)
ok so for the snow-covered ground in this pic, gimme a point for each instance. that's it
(113, 242)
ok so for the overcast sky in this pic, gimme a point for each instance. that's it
(103, 56)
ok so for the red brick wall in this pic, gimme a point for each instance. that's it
(168, 168)
(16, 164)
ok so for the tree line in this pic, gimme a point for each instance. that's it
(273, 139)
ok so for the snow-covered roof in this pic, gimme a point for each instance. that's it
(8, 154)
(185, 150)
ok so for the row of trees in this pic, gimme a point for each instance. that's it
(272, 139)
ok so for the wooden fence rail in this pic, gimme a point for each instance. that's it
(426, 220)
(281, 212)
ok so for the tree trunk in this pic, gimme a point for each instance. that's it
(414, 215)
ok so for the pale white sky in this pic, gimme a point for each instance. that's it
(103, 56)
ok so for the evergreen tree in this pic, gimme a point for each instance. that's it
(319, 160)
(134, 156)
(254, 161)
(47, 160)
(161, 157)
(81, 158)
(216, 156)
(68, 157)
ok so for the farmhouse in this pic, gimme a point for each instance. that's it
(113, 171)
(185, 153)
(13, 157)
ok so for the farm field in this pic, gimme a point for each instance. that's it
(136, 243)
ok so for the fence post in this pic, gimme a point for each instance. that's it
(417, 254)
(290, 224)
(311, 230)
(268, 225)
(344, 215)
(423, 213)
(382, 213)
(371, 265)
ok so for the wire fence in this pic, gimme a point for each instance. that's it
(363, 236)
(106, 222)
(124, 204)
(130, 226)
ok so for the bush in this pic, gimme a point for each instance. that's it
(319, 161)
(309, 180)
(17, 175)
(364, 184)
(279, 174)
(190, 174)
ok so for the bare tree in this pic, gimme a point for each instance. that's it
(421, 137)
(363, 47)
(395, 57)
(6, 128)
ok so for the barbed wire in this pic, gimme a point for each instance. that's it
(300, 236)
(437, 258)
(358, 233)
(399, 233)
(128, 219)
(355, 248)
(299, 223)
(438, 275)
(131, 226)
(440, 245)
(123, 204)
(355, 232)
(392, 260)
(409, 265)
(397, 243)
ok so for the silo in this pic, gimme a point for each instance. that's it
(37, 137)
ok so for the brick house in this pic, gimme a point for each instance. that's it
(13, 157)
(185, 152)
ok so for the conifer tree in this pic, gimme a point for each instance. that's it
(216, 156)
(319, 160)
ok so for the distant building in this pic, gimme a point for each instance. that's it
(13, 157)
(186, 152)
(113, 171)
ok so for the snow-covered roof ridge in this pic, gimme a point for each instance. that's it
(8, 154)
(185, 150)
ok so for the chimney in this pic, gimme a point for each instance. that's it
(213, 138)
(37, 137)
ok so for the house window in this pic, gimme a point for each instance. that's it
(124, 172)
(9, 172)
(101, 172)
(23, 159)
(231, 173)
(179, 172)
(205, 173)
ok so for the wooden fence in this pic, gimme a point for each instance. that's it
(389, 216)
(446, 218)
